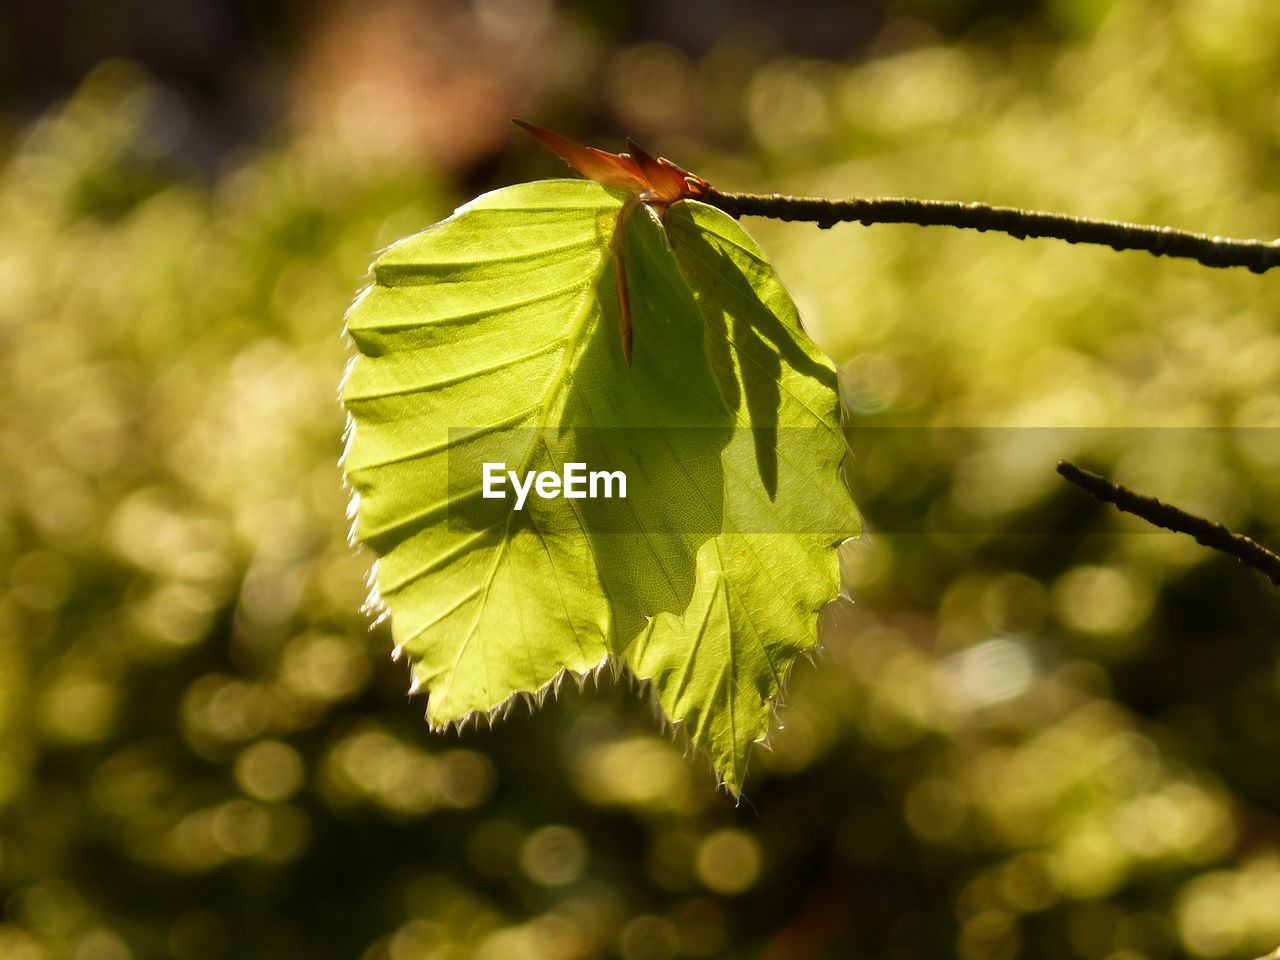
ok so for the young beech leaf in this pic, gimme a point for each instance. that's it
(492, 337)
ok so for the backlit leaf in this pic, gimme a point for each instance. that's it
(493, 337)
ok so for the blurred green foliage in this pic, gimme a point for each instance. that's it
(1053, 744)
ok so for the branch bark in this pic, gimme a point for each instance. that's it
(1256, 255)
(1207, 532)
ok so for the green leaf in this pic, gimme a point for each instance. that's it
(493, 337)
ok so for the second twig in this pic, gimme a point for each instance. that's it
(1207, 532)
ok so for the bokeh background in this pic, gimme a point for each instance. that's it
(1037, 731)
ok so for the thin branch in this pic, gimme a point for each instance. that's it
(1259, 256)
(1207, 532)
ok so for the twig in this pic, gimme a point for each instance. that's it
(1259, 256)
(1207, 532)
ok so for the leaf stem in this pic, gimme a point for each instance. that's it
(1207, 532)
(1257, 255)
